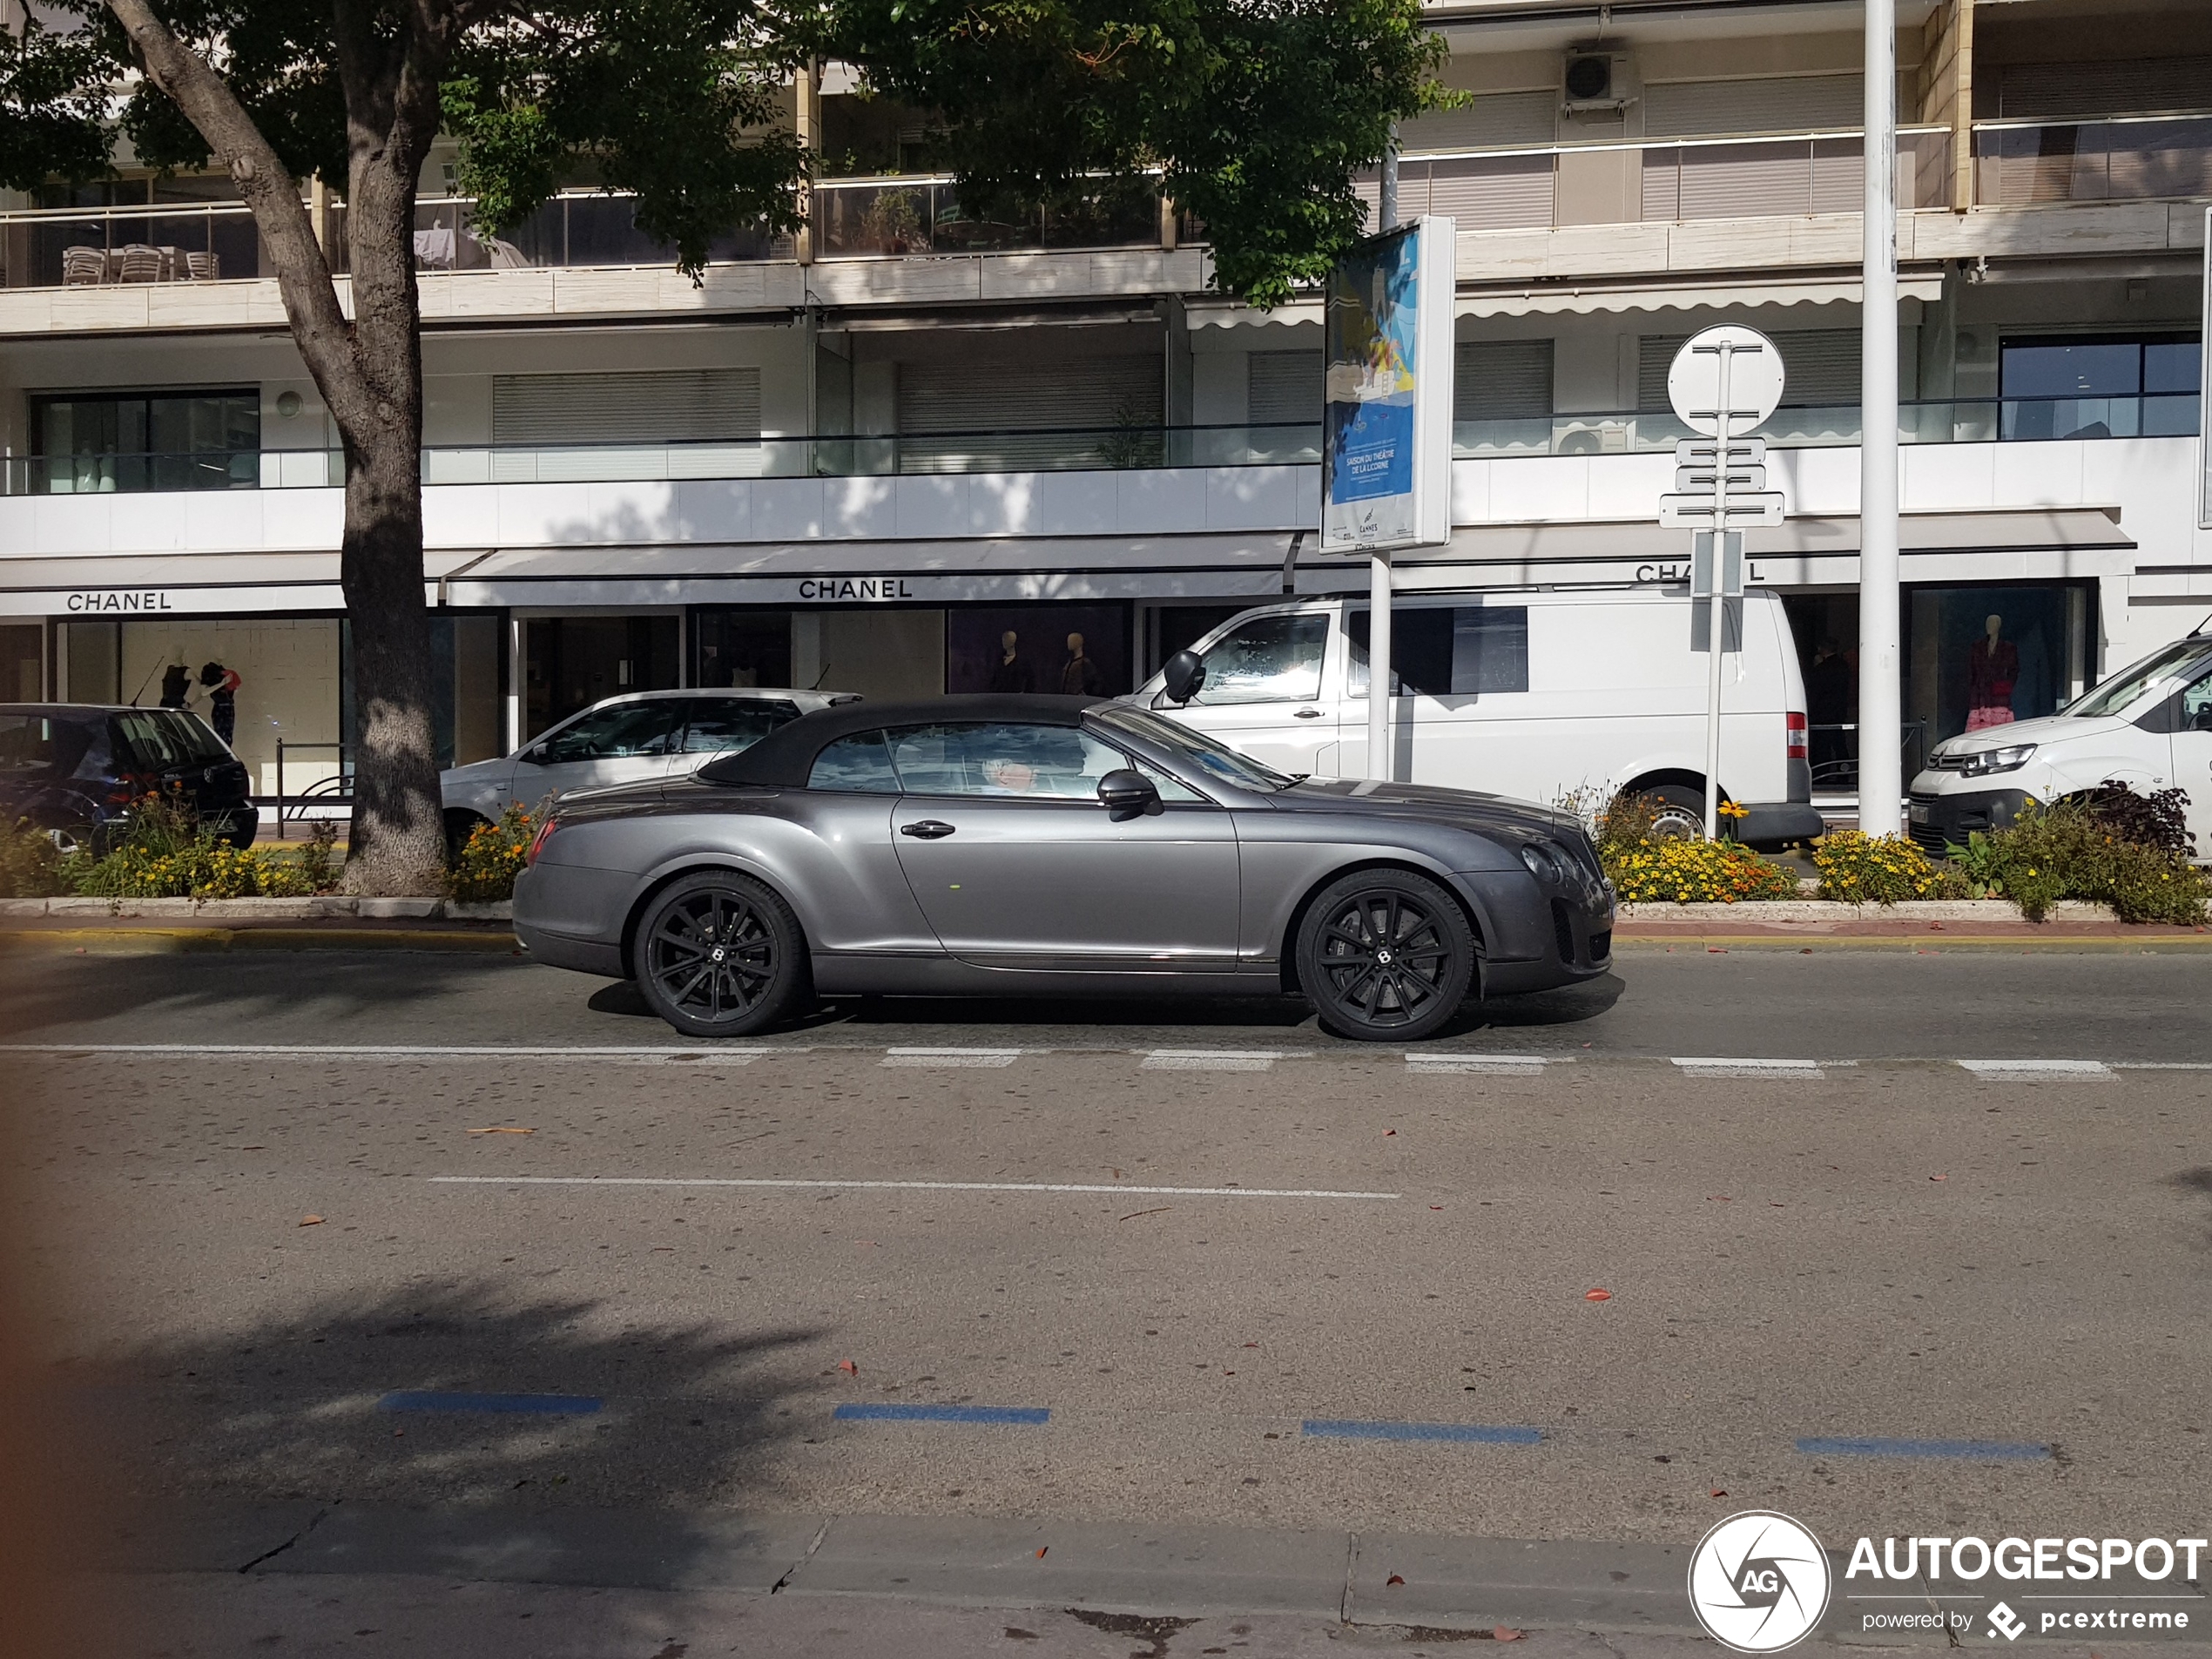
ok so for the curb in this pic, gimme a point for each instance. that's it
(1765, 910)
(172, 942)
(327, 906)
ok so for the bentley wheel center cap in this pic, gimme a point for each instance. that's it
(717, 955)
(1382, 956)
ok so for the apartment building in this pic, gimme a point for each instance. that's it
(862, 457)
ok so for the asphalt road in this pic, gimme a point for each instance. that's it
(1194, 1267)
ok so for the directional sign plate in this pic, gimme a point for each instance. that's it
(1696, 512)
(1703, 481)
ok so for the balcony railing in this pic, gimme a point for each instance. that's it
(1665, 180)
(1115, 448)
(108, 246)
(2147, 159)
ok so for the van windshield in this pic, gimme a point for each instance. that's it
(2122, 690)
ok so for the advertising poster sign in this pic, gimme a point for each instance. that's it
(1387, 450)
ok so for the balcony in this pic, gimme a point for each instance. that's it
(1116, 448)
(2151, 158)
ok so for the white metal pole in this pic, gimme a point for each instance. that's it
(1881, 718)
(1379, 757)
(1716, 605)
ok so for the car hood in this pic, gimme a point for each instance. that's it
(603, 797)
(1461, 808)
(2050, 728)
(485, 772)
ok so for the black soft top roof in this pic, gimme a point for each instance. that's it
(785, 758)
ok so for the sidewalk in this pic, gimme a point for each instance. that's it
(1952, 924)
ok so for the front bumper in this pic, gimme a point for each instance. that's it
(1935, 818)
(1542, 937)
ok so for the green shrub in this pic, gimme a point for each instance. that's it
(163, 854)
(491, 859)
(30, 867)
(1859, 868)
(1685, 872)
(2130, 855)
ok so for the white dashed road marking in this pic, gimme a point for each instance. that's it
(1807, 1070)
(973, 1058)
(1496, 1065)
(1216, 1059)
(896, 1186)
(2043, 1071)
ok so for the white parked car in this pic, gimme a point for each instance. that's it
(2148, 727)
(1534, 694)
(624, 739)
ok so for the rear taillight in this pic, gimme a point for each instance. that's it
(537, 841)
(1794, 736)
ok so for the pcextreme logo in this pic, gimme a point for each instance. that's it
(1759, 1582)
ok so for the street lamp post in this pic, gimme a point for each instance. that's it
(1881, 783)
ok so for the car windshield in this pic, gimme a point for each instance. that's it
(1218, 760)
(2121, 690)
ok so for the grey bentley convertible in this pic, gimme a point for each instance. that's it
(983, 845)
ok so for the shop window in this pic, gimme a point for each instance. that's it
(2100, 386)
(102, 443)
(741, 648)
(1040, 641)
(572, 662)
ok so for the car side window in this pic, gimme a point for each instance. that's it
(859, 764)
(720, 726)
(2197, 706)
(1270, 659)
(625, 732)
(1032, 762)
(1454, 650)
(1173, 791)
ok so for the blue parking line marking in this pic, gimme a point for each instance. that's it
(890, 1412)
(1488, 1434)
(1987, 1450)
(430, 1399)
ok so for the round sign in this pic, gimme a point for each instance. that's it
(1754, 380)
(1759, 1582)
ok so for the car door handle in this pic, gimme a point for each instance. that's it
(1305, 714)
(927, 829)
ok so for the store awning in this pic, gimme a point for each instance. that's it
(1005, 570)
(1550, 299)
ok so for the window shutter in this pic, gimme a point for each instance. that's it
(1655, 356)
(1776, 104)
(1501, 380)
(2077, 91)
(1494, 121)
(1089, 411)
(1282, 386)
(714, 405)
(1820, 366)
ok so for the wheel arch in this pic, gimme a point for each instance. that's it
(704, 864)
(1644, 783)
(1286, 946)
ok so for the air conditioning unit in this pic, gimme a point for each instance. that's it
(1590, 438)
(1594, 81)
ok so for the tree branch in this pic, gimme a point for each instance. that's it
(303, 274)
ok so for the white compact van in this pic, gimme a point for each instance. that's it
(2148, 727)
(1540, 695)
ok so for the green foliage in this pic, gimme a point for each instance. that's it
(491, 859)
(53, 105)
(1680, 871)
(1859, 868)
(29, 865)
(164, 854)
(2101, 849)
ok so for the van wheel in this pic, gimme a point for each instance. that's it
(719, 954)
(1386, 955)
(1681, 816)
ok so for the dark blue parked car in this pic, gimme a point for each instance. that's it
(75, 768)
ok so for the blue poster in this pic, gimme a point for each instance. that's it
(1371, 331)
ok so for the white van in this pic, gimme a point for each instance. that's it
(1534, 694)
(2148, 727)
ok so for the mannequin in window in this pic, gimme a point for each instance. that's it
(176, 685)
(1081, 677)
(1992, 669)
(1013, 672)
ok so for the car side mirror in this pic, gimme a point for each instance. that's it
(1185, 676)
(2203, 720)
(1128, 793)
(534, 754)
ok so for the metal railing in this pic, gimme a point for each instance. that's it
(888, 217)
(2126, 159)
(1107, 448)
(337, 786)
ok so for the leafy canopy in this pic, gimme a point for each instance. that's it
(1257, 113)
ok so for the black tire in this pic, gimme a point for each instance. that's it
(1682, 813)
(719, 954)
(1385, 955)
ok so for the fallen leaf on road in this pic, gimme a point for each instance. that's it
(1718, 1492)
(1939, 1177)
(1773, 1204)
(1162, 1210)
(502, 1129)
(848, 1367)
(1389, 1131)
(1251, 1345)
(1436, 1206)
(311, 1221)
(1505, 1633)
(1807, 951)
(1040, 1550)
(1715, 950)
(1715, 1198)
(1393, 1578)
(1597, 1296)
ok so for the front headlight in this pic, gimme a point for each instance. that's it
(1545, 861)
(2008, 759)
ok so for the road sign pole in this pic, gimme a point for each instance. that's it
(1717, 606)
(1881, 715)
(1378, 756)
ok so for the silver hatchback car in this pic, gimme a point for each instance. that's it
(983, 845)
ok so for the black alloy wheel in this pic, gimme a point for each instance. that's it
(719, 954)
(1385, 955)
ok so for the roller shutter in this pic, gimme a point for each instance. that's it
(1776, 104)
(1089, 412)
(721, 405)
(1821, 366)
(1494, 121)
(2084, 91)
(1282, 386)
(1502, 380)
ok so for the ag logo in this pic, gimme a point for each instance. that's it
(1759, 1582)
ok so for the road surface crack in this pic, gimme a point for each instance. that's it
(314, 1520)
